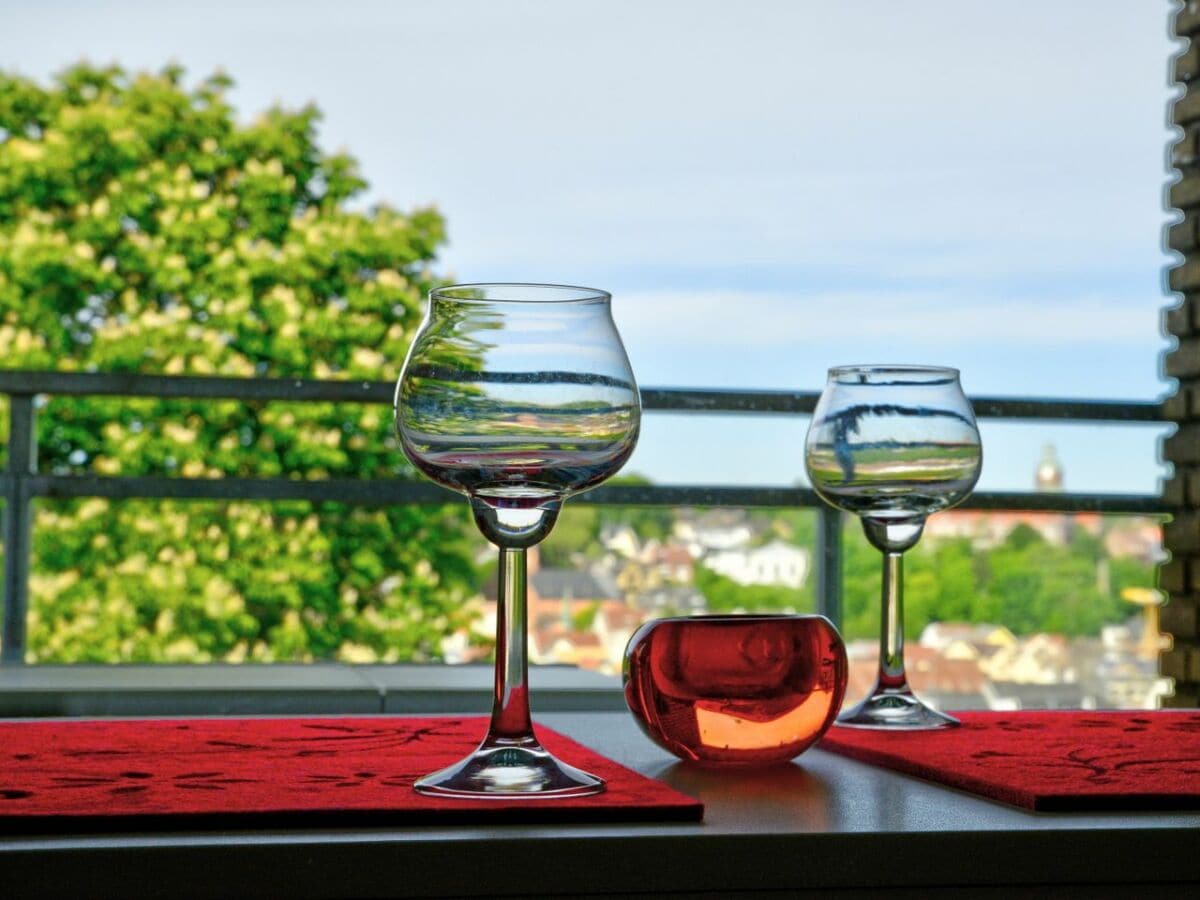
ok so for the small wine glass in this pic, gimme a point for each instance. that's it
(893, 444)
(519, 396)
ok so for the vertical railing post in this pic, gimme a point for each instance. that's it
(829, 564)
(22, 463)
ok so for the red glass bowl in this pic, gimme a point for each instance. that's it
(735, 690)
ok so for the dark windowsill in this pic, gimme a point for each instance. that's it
(286, 689)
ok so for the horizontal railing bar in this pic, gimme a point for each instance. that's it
(728, 401)
(686, 400)
(1076, 410)
(193, 386)
(698, 495)
(354, 491)
(653, 398)
(382, 492)
(1136, 504)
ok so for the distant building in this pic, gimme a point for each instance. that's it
(613, 626)
(558, 600)
(1135, 537)
(551, 586)
(942, 636)
(946, 684)
(990, 529)
(1037, 659)
(713, 530)
(776, 563)
(963, 666)
(559, 644)
(1015, 695)
(670, 600)
(620, 539)
(1124, 675)
(633, 578)
(672, 561)
(986, 529)
(1048, 476)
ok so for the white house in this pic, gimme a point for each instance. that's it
(620, 539)
(774, 563)
(715, 530)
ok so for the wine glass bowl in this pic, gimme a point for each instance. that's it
(893, 442)
(518, 396)
(892, 445)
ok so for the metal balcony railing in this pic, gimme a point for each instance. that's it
(22, 482)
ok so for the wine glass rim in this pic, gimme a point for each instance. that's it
(552, 293)
(899, 372)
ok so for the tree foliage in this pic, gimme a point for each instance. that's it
(1025, 583)
(724, 595)
(143, 228)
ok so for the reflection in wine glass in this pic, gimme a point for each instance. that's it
(893, 444)
(517, 395)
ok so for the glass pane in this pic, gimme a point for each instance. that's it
(191, 581)
(1092, 457)
(816, 193)
(1018, 610)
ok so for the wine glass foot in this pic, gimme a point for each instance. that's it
(895, 710)
(500, 771)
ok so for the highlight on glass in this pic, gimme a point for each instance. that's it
(518, 396)
(893, 445)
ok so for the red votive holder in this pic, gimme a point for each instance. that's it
(735, 690)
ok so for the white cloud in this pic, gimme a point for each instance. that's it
(560, 135)
(768, 319)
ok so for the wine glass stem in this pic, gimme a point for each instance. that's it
(510, 705)
(891, 634)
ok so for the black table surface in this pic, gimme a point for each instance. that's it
(822, 826)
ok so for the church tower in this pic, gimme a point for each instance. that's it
(1049, 474)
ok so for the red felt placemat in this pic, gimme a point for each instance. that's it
(120, 774)
(1048, 760)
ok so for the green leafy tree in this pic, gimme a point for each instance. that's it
(1025, 583)
(576, 531)
(726, 595)
(648, 522)
(1043, 587)
(860, 583)
(143, 228)
(796, 526)
(1023, 536)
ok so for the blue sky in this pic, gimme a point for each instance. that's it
(767, 188)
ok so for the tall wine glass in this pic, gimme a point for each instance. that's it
(517, 395)
(893, 444)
